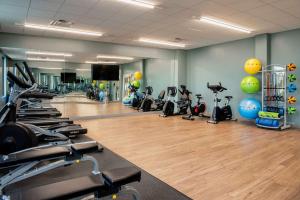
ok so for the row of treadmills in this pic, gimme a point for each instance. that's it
(34, 140)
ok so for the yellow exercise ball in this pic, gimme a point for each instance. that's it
(138, 76)
(252, 66)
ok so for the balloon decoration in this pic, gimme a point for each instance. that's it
(138, 76)
(252, 66)
(250, 85)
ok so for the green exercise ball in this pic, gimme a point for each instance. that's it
(101, 86)
(250, 85)
(136, 84)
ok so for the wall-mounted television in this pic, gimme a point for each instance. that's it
(68, 77)
(105, 72)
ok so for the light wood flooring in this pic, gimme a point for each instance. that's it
(230, 160)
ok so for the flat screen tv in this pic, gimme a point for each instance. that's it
(105, 72)
(68, 77)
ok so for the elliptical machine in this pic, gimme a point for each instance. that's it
(185, 103)
(169, 106)
(220, 114)
(151, 104)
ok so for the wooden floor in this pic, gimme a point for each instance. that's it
(78, 106)
(230, 160)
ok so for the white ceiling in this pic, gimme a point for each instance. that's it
(123, 23)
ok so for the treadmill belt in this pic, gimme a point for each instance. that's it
(150, 187)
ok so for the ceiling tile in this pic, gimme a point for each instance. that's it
(51, 5)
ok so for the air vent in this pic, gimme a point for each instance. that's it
(61, 23)
(179, 39)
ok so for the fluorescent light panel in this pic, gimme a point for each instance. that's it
(83, 69)
(139, 3)
(115, 57)
(100, 62)
(224, 24)
(48, 53)
(54, 68)
(46, 59)
(151, 41)
(61, 29)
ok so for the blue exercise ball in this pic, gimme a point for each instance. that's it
(249, 108)
(101, 96)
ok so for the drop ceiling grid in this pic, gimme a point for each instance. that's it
(123, 23)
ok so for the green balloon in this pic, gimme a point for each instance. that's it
(250, 85)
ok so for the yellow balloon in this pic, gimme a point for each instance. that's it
(252, 66)
(138, 76)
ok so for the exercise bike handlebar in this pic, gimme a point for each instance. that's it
(32, 79)
(216, 88)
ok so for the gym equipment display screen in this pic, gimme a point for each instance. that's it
(68, 77)
(105, 72)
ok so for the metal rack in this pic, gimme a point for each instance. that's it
(274, 83)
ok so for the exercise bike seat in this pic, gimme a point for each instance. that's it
(121, 176)
(228, 97)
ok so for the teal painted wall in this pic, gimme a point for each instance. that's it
(285, 48)
(219, 63)
(224, 62)
(131, 68)
(160, 73)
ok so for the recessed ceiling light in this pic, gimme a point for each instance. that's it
(62, 29)
(151, 41)
(83, 69)
(139, 3)
(224, 24)
(46, 59)
(100, 62)
(48, 53)
(115, 57)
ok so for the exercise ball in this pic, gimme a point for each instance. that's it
(101, 86)
(249, 108)
(101, 96)
(136, 84)
(252, 66)
(138, 76)
(250, 85)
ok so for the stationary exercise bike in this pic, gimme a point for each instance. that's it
(197, 110)
(220, 114)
